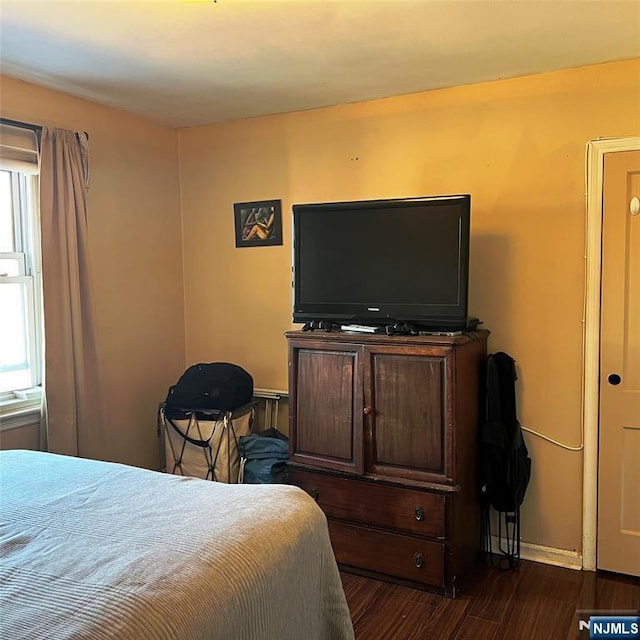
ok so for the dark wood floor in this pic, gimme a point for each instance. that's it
(534, 602)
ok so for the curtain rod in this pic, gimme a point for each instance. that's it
(36, 128)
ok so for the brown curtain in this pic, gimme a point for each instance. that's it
(75, 419)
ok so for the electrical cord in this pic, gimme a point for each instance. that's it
(559, 444)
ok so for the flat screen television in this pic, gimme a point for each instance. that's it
(383, 262)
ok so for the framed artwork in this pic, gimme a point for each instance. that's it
(258, 224)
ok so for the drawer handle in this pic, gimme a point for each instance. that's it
(418, 558)
(419, 511)
(315, 494)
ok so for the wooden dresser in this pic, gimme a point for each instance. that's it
(383, 433)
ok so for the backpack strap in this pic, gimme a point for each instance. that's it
(198, 443)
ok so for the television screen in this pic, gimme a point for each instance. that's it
(383, 262)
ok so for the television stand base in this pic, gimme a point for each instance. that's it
(403, 329)
(312, 325)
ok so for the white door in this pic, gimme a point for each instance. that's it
(618, 540)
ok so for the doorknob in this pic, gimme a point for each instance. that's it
(614, 379)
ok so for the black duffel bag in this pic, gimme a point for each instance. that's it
(214, 385)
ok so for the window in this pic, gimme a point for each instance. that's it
(21, 335)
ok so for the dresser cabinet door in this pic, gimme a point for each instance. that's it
(409, 425)
(326, 405)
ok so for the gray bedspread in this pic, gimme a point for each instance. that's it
(96, 550)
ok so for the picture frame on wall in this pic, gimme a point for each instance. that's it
(258, 224)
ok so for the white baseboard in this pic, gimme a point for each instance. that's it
(546, 555)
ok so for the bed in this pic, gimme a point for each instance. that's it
(94, 550)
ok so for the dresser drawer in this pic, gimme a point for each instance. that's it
(390, 554)
(384, 506)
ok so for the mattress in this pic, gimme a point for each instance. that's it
(96, 550)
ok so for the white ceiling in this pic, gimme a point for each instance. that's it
(192, 62)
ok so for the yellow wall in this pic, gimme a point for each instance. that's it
(135, 248)
(518, 146)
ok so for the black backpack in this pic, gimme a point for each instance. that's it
(505, 466)
(214, 385)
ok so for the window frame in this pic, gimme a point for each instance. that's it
(26, 252)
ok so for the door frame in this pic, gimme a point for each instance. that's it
(596, 150)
